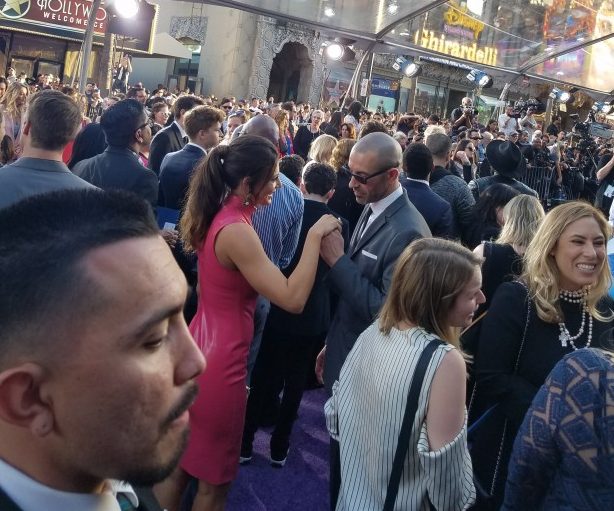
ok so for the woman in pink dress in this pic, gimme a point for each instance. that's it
(232, 270)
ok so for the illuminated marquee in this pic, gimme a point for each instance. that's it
(459, 17)
(437, 42)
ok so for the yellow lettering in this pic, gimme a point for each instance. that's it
(455, 50)
(430, 40)
(479, 56)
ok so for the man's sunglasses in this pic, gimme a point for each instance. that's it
(363, 180)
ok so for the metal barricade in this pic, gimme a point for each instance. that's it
(540, 179)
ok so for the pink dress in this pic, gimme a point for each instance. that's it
(223, 329)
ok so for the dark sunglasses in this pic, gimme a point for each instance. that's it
(226, 107)
(363, 180)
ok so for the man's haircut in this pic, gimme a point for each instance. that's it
(319, 178)
(121, 120)
(417, 161)
(372, 127)
(439, 144)
(185, 103)
(434, 118)
(288, 105)
(132, 92)
(291, 166)
(54, 120)
(43, 241)
(385, 148)
(201, 118)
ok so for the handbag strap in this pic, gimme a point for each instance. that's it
(406, 427)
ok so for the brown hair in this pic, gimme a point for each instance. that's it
(201, 118)
(341, 153)
(225, 166)
(429, 276)
(55, 119)
(351, 130)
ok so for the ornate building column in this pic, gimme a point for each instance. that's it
(272, 36)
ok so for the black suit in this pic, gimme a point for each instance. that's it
(167, 140)
(435, 210)
(175, 173)
(147, 501)
(119, 168)
(288, 342)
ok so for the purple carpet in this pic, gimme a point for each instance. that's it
(302, 484)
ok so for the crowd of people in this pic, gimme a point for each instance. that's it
(175, 263)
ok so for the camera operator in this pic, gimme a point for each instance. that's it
(463, 116)
(605, 178)
(555, 126)
(508, 124)
(528, 123)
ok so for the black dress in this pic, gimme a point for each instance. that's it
(303, 140)
(501, 264)
(497, 381)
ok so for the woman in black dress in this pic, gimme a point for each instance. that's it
(307, 133)
(559, 304)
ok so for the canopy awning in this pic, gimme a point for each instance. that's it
(165, 45)
(568, 41)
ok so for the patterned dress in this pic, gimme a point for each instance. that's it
(563, 457)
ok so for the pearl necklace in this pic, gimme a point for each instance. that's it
(565, 337)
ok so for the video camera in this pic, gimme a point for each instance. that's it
(523, 107)
(469, 110)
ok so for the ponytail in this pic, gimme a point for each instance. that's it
(205, 198)
(217, 176)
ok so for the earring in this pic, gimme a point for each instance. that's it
(248, 199)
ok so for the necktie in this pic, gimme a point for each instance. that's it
(124, 502)
(362, 226)
(185, 139)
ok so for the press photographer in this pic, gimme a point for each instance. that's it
(463, 116)
(508, 121)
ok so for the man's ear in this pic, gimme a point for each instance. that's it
(302, 187)
(21, 401)
(26, 128)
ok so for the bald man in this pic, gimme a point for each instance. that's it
(361, 277)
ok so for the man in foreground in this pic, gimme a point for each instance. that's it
(97, 367)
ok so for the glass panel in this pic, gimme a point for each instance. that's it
(26, 45)
(507, 33)
(356, 16)
(23, 66)
(589, 67)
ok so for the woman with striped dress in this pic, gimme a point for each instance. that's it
(435, 290)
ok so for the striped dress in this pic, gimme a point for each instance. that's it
(365, 414)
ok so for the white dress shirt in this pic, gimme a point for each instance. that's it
(377, 208)
(30, 495)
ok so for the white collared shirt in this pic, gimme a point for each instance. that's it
(30, 495)
(377, 208)
(181, 130)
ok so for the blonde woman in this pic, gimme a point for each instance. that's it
(13, 107)
(503, 259)
(559, 305)
(322, 148)
(343, 202)
(435, 291)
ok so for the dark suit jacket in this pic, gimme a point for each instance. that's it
(119, 168)
(167, 140)
(315, 318)
(147, 501)
(175, 173)
(361, 278)
(435, 210)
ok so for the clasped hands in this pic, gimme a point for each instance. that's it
(331, 244)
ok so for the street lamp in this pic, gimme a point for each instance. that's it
(125, 8)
